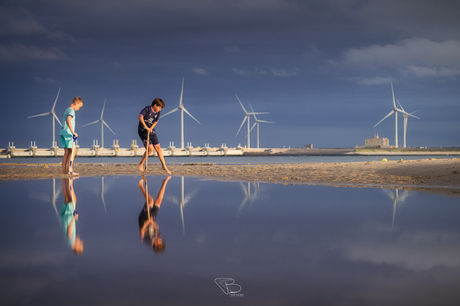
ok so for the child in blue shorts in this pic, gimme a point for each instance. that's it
(68, 135)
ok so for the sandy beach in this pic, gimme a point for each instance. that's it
(432, 175)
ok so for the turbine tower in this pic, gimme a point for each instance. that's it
(54, 117)
(395, 111)
(246, 117)
(406, 118)
(101, 120)
(182, 109)
(257, 123)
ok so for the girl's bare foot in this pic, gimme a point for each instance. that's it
(141, 167)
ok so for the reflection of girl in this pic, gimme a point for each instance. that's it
(148, 228)
(69, 216)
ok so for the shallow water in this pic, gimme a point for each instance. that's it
(266, 244)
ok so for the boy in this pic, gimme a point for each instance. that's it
(68, 135)
(148, 119)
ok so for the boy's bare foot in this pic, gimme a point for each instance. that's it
(141, 167)
(166, 169)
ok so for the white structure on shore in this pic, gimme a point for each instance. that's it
(101, 120)
(182, 109)
(53, 117)
(395, 111)
(246, 117)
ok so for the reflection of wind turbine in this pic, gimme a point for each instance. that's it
(182, 109)
(54, 117)
(247, 195)
(53, 199)
(395, 111)
(246, 117)
(257, 123)
(183, 200)
(395, 198)
(102, 193)
(406, 118)
(101, 120)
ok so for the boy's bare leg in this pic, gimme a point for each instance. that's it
(162, 160)
(72, 157)
(65, 160)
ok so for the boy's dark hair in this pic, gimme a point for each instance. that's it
(159, 102)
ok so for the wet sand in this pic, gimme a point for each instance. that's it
(432, 175)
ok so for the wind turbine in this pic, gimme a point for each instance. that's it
(182, 109)
(101, 120)
(257, 123)
(406, 118)
(395, 111)
(54, 117)
(247, 115)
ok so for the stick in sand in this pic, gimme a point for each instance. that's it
(147, 151)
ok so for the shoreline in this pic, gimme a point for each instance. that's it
(134, 151)
(441, 176)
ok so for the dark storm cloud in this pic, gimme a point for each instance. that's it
(309, 63)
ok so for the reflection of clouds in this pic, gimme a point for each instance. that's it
(29, 279)
(414, 251)
(21, 260)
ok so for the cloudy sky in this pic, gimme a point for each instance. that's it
(322, 69)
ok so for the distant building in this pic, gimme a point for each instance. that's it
(377, 142)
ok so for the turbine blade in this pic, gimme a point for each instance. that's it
(44, 114)
(91, 123)
(181, 92)
(265, 121)
(244, 120)
(185, 110)
(174, 110)
(391, 113)
(400, 105)
(55, 117)
(393, 93)
(108, 127)
(102, 113)
(405, 113)
(258, 113)
(56, 98)
(241, 104)
(253, 126)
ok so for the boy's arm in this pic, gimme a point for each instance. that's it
(141, 119)
(69, 124)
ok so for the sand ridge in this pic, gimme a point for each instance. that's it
(437, 175)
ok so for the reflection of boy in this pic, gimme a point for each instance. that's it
(148, 229)
(69, 217)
